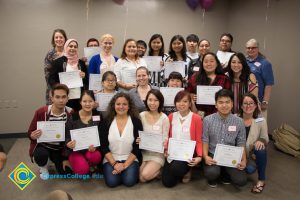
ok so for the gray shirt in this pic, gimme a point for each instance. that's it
(135, 96)
(228, 131)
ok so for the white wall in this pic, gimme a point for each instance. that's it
(26, 29)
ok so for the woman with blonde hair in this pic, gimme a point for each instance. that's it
(104, 61)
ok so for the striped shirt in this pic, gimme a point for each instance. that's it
(228, 131)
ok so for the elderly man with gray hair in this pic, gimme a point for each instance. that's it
(262, 69)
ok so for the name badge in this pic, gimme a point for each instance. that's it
(155, 127)
(260, 119)
(231, 128)
(196, 69)
(257, 64)
(96, 118)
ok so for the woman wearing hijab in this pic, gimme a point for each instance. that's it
(67, 63)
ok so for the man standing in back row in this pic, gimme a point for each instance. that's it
(262, 69)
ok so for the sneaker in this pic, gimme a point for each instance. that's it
(226, 181)
(212, 184)
(44, 173)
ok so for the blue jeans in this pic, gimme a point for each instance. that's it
(128, 177)
(260, 164)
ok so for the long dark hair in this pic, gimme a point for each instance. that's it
(132, 111)
(183, 50)
(202, 78)
(162, 49)
(254, 98)
(244, 77)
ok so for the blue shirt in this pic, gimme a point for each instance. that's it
(262, 69)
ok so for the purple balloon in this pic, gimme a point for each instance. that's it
(120, 2)
(206, 4)
(192, 4)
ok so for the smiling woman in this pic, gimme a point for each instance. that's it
(67, 63)
(126, 66)
(139, 93)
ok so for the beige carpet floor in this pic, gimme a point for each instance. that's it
(283, 182)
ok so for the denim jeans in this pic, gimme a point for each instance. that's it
(259, 164)
(128, 177)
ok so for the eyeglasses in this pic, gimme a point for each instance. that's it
(249, 104)
(251, 48)
(110, 81)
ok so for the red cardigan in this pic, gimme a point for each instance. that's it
(195, 131)
(42, 114)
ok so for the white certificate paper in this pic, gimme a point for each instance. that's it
(176, 66)
(89, 52)
(71, 79)
(169, 94)
(153, 63)
(129, 76)
(228, 156)
(182, 150)
(151, 141)
(52, 131)
(85, 137)
(206, 94)
(103, 100)
(95, 82)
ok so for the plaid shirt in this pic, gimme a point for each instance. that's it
(228, 131)
(220, 80)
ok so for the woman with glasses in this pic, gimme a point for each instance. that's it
(257, 140)
(242, 80)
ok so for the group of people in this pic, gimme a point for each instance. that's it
(235, 119)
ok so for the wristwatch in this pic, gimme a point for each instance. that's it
(265, 102)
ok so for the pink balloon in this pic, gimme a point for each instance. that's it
(120, 2)
(192, 4)
(206, 4)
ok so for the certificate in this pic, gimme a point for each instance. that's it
(228, 156)
(169, 94)
(153, 63)
(103, 100)
(129, 76)
(71, 79)
(52, 131)
(182, 150)
(176, 66)
(95, 82)
(85, 137)
(206, 94)
(151, 141)
(89, 52)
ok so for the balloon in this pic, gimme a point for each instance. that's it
(120, 2)
(206, 4)
(192, 4)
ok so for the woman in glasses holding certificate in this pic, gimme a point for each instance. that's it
(154, 122)
(211, 74)
(257, 139)
(125, 67)
(70, 63)
(118, 134)
(185, 126)
(82, 161)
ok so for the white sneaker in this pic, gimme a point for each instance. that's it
(44, 173)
